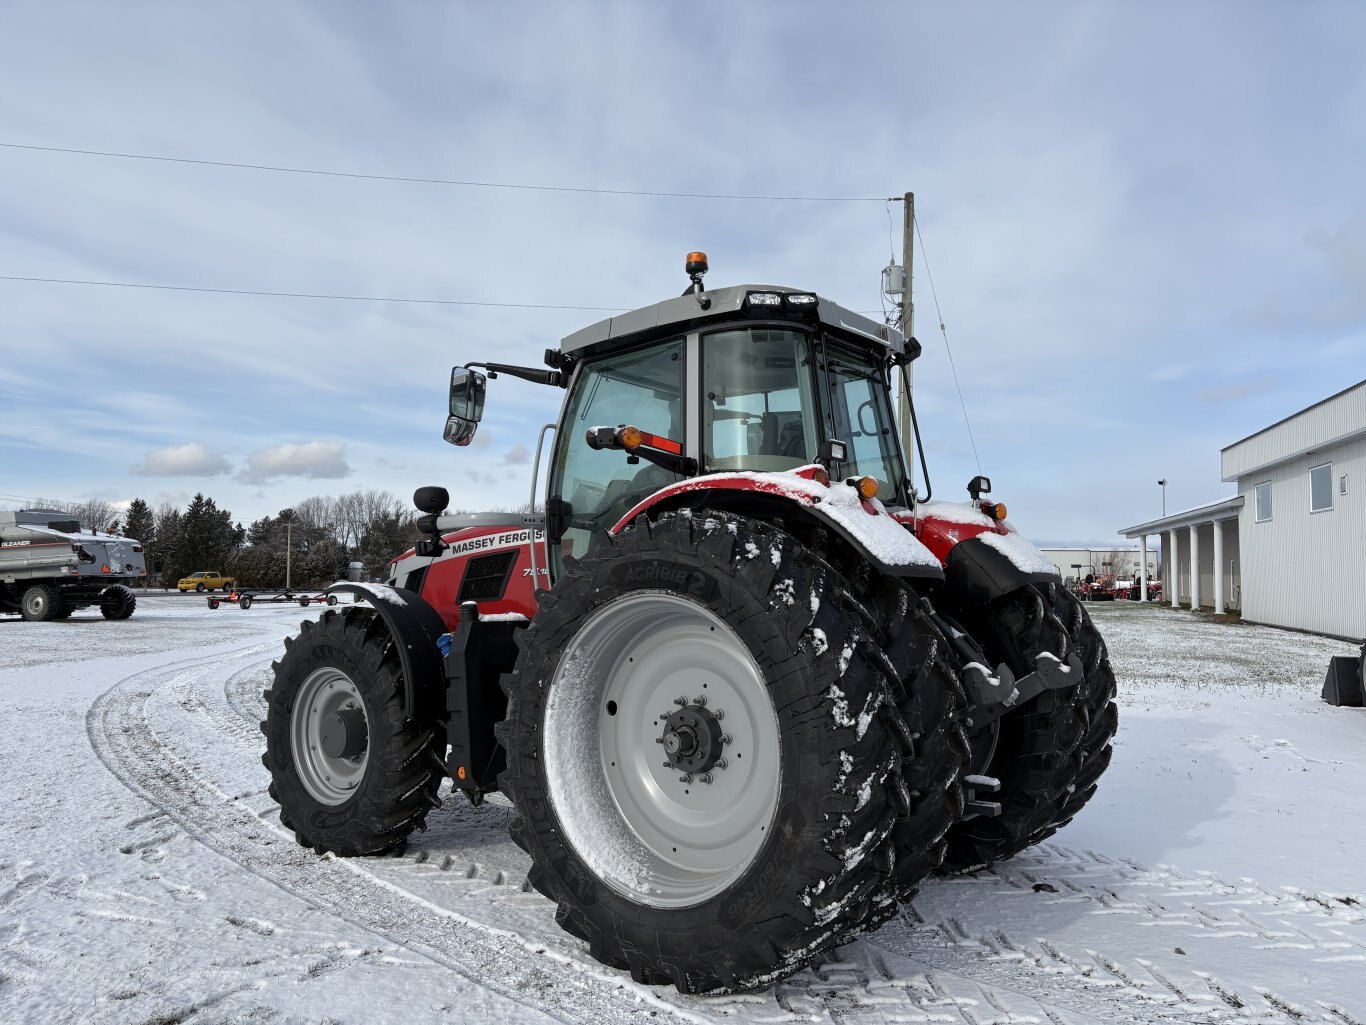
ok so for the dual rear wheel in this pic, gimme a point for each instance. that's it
(725, 757)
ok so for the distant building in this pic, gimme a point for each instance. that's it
(1290, 548)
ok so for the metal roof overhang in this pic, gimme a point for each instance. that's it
(1224, 510)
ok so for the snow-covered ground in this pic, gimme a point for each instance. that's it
(1217, 876)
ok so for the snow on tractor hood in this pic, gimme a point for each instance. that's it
(865, 520)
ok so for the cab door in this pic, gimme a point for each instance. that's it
(591, 489)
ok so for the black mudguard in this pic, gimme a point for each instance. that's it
(416, 627)
(976, 574)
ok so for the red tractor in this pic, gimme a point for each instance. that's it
(744, 687)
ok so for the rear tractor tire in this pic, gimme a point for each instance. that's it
(40, 603)
(353, 774)
(1097, 692)
(706, 755)
(117, 602)
(1049, 753)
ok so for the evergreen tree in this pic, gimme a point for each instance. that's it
(163, 543)
(207, 537)
(138, 523)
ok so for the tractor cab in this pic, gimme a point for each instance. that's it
(745, 380)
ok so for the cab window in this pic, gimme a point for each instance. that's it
(758, 403)
(592, 489)
(859, 414)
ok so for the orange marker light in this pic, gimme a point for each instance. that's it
(820, 476)
(867, 487)
(630, 438)
(460, 772)
(1000, 511)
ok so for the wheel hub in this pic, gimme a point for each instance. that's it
(329, 735)
(343, 733)
(693, 739)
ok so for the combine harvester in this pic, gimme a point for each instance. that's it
(50, 567)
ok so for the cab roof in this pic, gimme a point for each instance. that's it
(684, 314)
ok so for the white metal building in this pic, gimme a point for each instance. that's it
(1290, 547)
(1303, 526)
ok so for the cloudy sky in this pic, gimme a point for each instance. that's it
(1146, 225)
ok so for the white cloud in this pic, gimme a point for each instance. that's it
(319, 460)
(518, 455)
(189, 460)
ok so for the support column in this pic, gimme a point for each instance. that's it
(1173, 582)
(1218, 567)
(1143, 567)
(1195, 567)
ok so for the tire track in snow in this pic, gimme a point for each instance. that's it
(458, 896)
(127, 745)
(1143, 898)
(1242, 926)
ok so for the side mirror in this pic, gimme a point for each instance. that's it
(459, 431)
(467, 394)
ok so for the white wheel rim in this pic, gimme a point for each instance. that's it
(649, 834)
(329, 780)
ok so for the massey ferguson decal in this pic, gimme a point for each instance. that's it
(488, 542)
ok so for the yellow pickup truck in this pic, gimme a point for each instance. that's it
(205, 580)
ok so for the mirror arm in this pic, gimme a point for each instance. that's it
(535, 376)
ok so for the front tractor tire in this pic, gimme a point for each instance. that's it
(704, 754)
(351, 772)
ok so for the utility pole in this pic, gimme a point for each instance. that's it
(289, 549)
(907, 326)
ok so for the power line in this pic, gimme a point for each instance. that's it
(306, 295)
(468, 183)
(947, 348)
(324, 295)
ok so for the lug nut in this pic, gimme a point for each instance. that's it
(680, 702)
(701, 699)
(705, 777)
(685, 779)
(725, 738)
(721, 763)
(659, 740)
(720, 713)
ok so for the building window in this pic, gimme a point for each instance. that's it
(1321, 487)
(1264, 501)
(1342, 484)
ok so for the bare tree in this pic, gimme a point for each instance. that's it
(92, 514)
